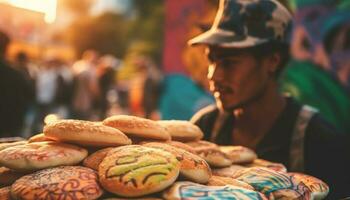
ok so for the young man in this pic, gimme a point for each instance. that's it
(247, 48)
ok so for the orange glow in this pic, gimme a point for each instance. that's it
(47, 6)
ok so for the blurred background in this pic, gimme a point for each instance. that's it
(90, 59)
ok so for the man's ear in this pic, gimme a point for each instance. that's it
(274, 61)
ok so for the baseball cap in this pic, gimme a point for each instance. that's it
(247, 23)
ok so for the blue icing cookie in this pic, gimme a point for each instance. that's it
(189, 190)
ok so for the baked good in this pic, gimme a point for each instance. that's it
(65, 182)
(94, 160)
(11, 144)
(192, 167)
(85, 133)
(318, 188)
(222, 181)
(189, 190)
(239, 154)
(137, 127)
(181, 146)
(274, 184)
(265, 163)
(5, 193)
(8, 176)
(181, 130)
(211, 153)
(40, 155)
(41, 137)
(227, 171)
(134, 170)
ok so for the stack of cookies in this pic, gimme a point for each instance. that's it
(128, 157)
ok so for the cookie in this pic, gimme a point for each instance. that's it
(227, 171)
(40, 138)
(65, 182)
(211, 153)
(272, 183)
(318, 188)
(85, 133)
(133, 171)
(138, 127)
(189, 190)
(5, 193)
(182, 145)
(192, 167)
(265, 163)
(222, 181)
(11, 144)
(40, 155)
(239, 154)
(181, 130)
(94, 160)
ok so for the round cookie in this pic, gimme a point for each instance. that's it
(134, 170)
(189, 190)
(264, 163)
(8, 176)
(65, 182)
(222, 181)
(41, 137)
(5, 193)
(227, 171)
(85, 133)
(11, 144)
(181, 130)
(272, 183)
(138, 127)
(182, 146)
(192, 167)
(40, 155)
(211, 153)
(318, 188)
(239, 154)
(94, 160)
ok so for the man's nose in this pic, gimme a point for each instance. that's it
(215, 73)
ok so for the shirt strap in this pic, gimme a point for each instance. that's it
(296, 158)
(218, 123)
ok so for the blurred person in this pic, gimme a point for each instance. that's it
(15, 94)
(107, 67)
(86, 90)
(247, 47)
(319, 74)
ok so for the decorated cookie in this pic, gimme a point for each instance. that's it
(181, 130)
(222, 181)
(138, 127)
(85, 133)
(182, 146)
(189, 190)
(66, 182)
(211, 153)
(272, 183)
(134, 170)
(11, 144)
(5, 193)
(40, 138)
(318, 188)
(192, 167)
(40, 155)
(239, 154)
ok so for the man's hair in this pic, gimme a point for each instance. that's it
(4, 41)
(269, 48)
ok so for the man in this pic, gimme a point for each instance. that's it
(247, 48)
(15, 95)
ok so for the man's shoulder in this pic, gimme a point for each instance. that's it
(204, 112)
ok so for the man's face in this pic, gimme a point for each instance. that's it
(236, 77)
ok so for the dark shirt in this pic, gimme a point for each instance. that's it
(15, 95)
(326, 151)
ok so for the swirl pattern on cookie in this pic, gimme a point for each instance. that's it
(189, 190)
(66, 182)
(135, 170)
(318, 188)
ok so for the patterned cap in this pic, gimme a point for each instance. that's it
(246, 23)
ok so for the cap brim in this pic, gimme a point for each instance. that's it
(225, 39)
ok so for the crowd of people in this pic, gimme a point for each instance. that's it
(86, 89)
